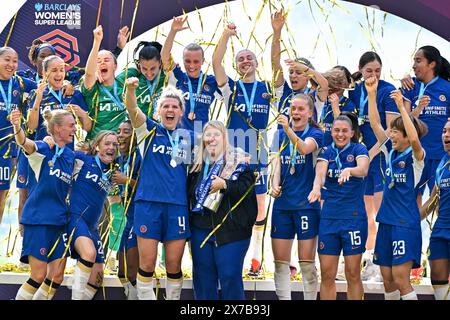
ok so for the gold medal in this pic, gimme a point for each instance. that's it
(292, 170)
(173, 163)
(50, 163)
(391, 185)
(191, 115)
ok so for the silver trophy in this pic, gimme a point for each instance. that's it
(212, 201)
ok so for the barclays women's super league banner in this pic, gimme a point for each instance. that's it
(68, 24)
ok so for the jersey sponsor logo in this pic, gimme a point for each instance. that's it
(240, 108)
(350, 158)
(109, 106)
(143, 228)
(43, 251)
(442, 98)
(65, 177)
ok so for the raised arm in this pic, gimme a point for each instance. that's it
(411, 132)
(33, 114)
(304, 147)
(137, 117)
(322, 91)
(91, 65)
(319, 181)
(83, 116)
(374, 117)
(429, 205)
(219, 53)
(278, 20)
(177, 25)
(28, 145)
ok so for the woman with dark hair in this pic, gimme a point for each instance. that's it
(199, 89)
(147, 58)
(92, 183)
(370, 65)
(399, 239)
(13, 91)
(439, 201)
(341, 169)
(130, 162)
(429, 100)
(296, 147)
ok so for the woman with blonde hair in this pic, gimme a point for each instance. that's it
(221, 199)
(44, 215)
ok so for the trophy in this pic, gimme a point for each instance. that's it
(212, 201)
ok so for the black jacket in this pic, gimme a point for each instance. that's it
(240, 221)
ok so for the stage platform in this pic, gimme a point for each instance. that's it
(254, 289)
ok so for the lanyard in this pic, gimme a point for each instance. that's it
(58, 153)
(293, 152)
(338, 153)
(328, 105)
(174, 144)
(206, 169)
(440, 169)
(105, 176)
(362, 103)
(58, 96)
(113, 97)
(401, 155)
(248, 103)
(424, 87)
(126, 165)
(199, 89)
(7, 99)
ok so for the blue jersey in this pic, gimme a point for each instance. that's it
(344, 201)
(399, 206)
(89, 189)
(50, 102)
(163, 176)
(284, 96)
(385, 105)
(297, 183)
(131, 167)
(327, 117)
(443, 182)
(46, 204)
(434, 115)
(202, 101)
(18, 88)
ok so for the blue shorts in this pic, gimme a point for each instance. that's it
(128, 239)
(428, 175)
(288, 223)
(22, 171)
(439, 244)
(375, 176)
(161, 221)
(348, 235)
(40, 240)
(396, 245)
(83, 230)
(5, 172)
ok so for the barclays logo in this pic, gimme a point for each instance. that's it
(38, 6)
